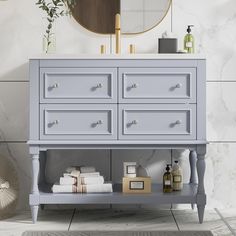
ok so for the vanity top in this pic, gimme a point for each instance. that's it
(121, 56)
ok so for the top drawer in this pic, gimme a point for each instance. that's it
(156, 85)
(73, 85)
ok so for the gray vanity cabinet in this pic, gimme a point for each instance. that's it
(118, 103)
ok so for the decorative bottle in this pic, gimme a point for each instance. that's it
(177, 177)
(189, 40)
(167, 180)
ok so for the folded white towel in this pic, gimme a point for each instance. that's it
(82, 169)
(98, 188)
(68, 180)
(93, 174)
(92, 180)
(56, 188)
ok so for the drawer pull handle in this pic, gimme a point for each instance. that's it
(134, 86)
(55, 122)
(56, 85)
(178, 85)
(99, 85)
(178, 122)
(99, 122)
(134, 122)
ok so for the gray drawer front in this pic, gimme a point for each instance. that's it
(154, 85)
(72, 85)
(157, 121)
(78, 121)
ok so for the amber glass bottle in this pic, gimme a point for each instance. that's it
(167, 180)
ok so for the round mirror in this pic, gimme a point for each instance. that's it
(137, 16)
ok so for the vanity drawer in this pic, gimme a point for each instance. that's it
(73, 85)
(155, 85)
(162, 121)
(78, 121)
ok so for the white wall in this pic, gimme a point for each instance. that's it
(21, 29)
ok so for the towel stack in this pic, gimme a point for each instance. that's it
(83, 179)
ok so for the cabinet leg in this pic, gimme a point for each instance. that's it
(200, 210)
(193, 176)
(35, 173)
(201, 196)
(42, 206)
(34, 212)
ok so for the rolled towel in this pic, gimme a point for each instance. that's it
(92, 180)
(68, 180)
(82, 169)
(93, 174)
(97, 188)
(87, 169)
(56, 188)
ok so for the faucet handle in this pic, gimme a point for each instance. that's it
(132, 49)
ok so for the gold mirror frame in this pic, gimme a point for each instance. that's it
(135, 33)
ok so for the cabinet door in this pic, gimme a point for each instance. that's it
(155, 85)
(73, 85)
(161, 121)
(78, 121)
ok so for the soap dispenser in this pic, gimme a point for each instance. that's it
(177, 177)
(167, 180)
(189, 40)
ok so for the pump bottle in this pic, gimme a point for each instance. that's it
(189, 40)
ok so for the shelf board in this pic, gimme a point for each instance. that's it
(187, 195)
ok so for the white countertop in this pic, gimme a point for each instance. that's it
(180, 56)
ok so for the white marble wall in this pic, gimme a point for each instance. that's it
(21, 26)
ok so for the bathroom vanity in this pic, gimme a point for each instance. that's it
(118, 102)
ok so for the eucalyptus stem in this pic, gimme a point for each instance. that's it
(54, 9)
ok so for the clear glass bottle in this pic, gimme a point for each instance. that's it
(167, 181)
(189, 41)
(177, 177)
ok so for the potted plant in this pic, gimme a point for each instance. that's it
(53, 9)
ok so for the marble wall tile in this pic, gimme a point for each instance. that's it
(220, 175)
(221, 111)
(14, 105)
(213, 31)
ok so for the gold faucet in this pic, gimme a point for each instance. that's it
(117, 31)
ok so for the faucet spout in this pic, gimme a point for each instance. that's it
(117, 32)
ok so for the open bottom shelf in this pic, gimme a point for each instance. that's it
(187, 195)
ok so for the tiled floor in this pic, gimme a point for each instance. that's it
(220, 222)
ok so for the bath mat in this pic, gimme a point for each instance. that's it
(118, 233)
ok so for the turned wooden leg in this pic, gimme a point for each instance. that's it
(192, 162)
(35, 173)
(35, 189)
(34, 213)
(201, 196)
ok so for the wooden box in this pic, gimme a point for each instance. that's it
(136, 185)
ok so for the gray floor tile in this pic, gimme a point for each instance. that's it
(47, 220)
(188, 220)
(123, 220)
